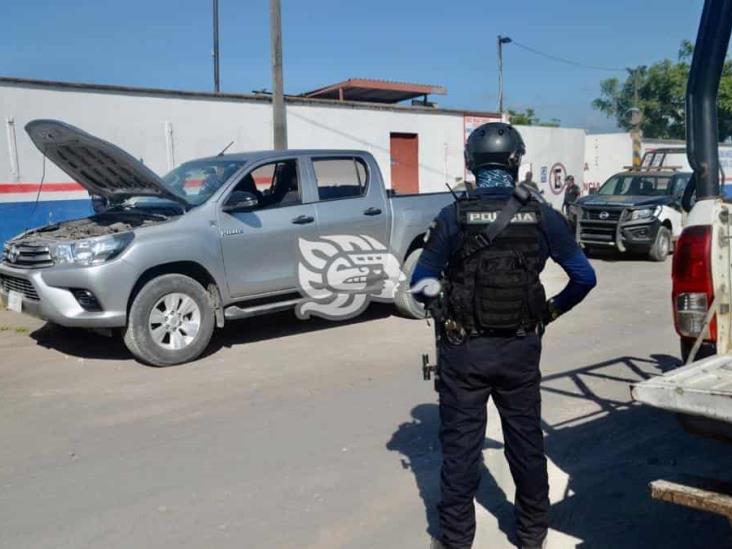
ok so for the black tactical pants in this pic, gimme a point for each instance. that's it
(508, 370)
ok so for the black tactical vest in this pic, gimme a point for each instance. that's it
(496, 286)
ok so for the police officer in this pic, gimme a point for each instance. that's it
(528, 180)
(492, 313)
(571, 194)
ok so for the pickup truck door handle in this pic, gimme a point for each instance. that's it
(372, 211)
(303, 219)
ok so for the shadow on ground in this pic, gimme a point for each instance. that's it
(610, 455)
(91, 345)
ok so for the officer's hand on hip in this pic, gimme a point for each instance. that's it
(550, 313)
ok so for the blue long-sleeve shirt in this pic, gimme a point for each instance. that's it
(557, 243)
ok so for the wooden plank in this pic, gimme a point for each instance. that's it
(703, 494)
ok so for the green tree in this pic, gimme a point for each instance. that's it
(662, 97)
(529, 118)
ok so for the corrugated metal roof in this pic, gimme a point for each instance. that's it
(375, 91)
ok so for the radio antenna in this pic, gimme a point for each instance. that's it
(449, 188)
(225, 149)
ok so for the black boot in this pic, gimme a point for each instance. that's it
(539, 545)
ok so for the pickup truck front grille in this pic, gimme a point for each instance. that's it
(30, 256)
(20, 285)
(601, 214)
(597, 233)
(599, 224)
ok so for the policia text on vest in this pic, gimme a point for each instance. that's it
(479, 218)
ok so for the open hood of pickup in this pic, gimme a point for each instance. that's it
(100, 167)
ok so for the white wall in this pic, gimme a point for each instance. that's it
(605, 155)
(547, 147)
(440, 143)
(201, 126)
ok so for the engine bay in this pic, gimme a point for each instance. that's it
(97, 225)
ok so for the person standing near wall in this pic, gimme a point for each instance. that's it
(571, 194)
(529, 182)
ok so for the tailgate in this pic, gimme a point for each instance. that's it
(703, 388)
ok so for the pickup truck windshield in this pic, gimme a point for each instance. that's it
(636, 185)
(196, 181)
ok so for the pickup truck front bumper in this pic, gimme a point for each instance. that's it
(612, 228)
(83, 297)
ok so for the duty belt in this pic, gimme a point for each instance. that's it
(503, 332)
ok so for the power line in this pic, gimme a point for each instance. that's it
(566, 61)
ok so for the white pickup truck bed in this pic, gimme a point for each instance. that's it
(703, 388)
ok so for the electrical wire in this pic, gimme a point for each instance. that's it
(563, 60)
(38, 194)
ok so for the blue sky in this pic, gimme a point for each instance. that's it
(167, 43)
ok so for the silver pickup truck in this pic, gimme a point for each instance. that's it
(166, 260)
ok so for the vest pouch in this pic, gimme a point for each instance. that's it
(537, 300)
(500, 299)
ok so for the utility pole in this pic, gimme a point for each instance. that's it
(279, 116)
(217, 82)
(501, 40)
(634, 116)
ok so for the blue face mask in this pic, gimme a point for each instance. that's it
(491, 178)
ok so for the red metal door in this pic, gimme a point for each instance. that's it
(404, 162)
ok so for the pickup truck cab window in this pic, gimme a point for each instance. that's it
(276, 184)
(270, 230)
(680, 183)
(636, 185)
(340, 178)
(198, 180)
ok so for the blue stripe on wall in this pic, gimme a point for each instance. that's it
(16, 217)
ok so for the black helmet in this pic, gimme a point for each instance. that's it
(495, 145)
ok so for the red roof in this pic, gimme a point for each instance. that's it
(374, 91)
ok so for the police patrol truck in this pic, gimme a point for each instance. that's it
(637, 210)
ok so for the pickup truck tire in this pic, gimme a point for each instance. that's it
(170, 322)
(404, 301)
(661, 246)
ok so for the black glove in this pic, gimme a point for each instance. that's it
(550, 313)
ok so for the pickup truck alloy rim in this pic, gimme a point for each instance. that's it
(174, 321)
(664, 246)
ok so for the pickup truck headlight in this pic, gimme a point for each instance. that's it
(645, 213)
(93, 251)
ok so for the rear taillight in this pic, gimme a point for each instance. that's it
(693, 291)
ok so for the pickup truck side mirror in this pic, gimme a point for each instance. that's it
(593, 190)
(241, 201)
(688, 199)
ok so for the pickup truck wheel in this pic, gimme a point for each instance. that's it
(661, 246)
(404, 301)
(171, 321)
